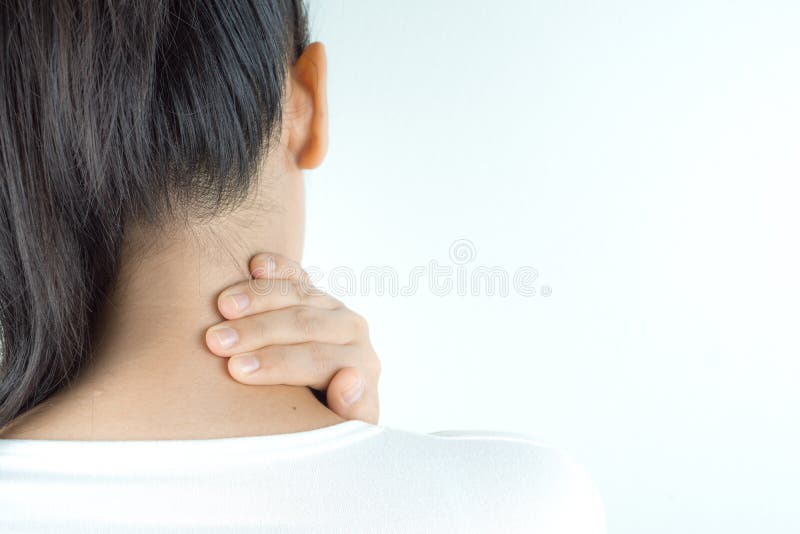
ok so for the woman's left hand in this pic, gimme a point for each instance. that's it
(282, 330)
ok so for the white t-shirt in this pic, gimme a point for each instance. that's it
(351, 477)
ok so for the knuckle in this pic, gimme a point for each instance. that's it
(306, 321)
(359, 323)
(275, 360)
(261, 286)
(320, 362)
(301, 297)
(373, 364)
(262, 331)
(289, 270)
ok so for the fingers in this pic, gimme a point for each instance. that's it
(304, 364)
(350, 396)
(275, 282)
(256, 296)
(285, 326)
(280, 329)
(272, 265)
(352, 393)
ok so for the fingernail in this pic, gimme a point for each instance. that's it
(245, 364)
(236, 303)
(354, 392)
(266, 266)
(270, 265)
(226, 336)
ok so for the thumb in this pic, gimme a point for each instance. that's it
(351, 396)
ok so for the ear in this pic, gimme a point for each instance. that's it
(307, 107)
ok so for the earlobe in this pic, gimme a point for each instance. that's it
(309, 74)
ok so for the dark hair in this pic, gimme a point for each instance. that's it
(113, 111)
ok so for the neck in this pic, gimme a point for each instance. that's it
(152, 376)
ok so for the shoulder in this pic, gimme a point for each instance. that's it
(532, 482)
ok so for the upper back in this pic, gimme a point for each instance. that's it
(349, 477)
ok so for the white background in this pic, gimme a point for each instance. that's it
(644, 158)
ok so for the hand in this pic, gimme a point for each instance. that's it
(282, 330)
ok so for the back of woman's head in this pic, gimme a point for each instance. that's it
(110, 112)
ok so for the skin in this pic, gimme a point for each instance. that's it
(280, 329)
(160, 370)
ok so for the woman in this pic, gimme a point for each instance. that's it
(151, 151)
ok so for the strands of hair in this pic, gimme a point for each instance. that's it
(112, 112)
